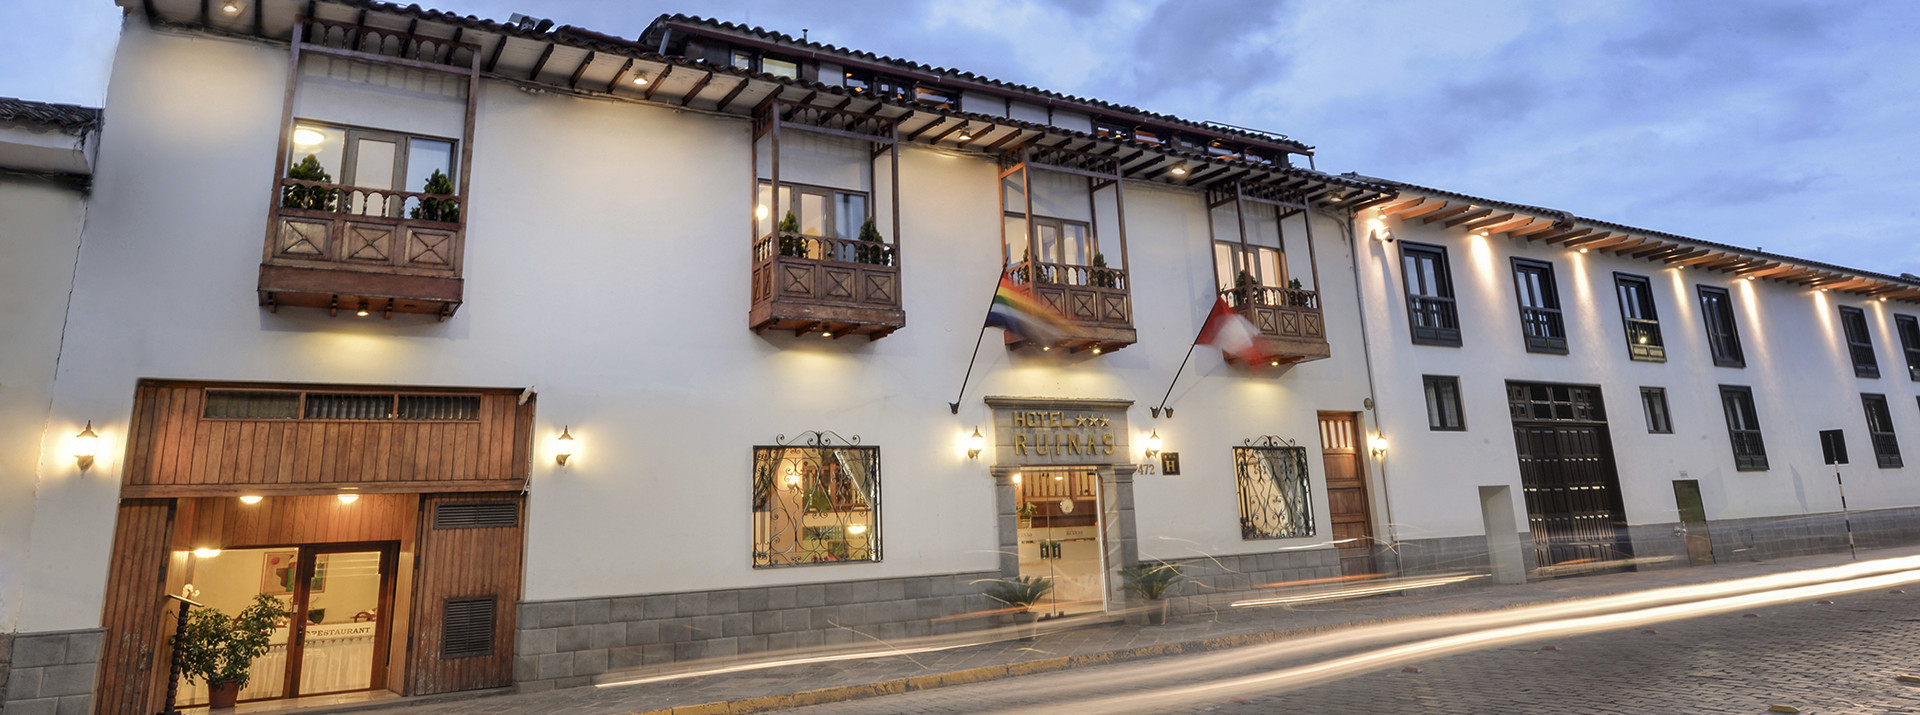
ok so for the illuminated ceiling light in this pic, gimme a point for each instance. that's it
(84, 445)
(976, 444)
(362, 312)
(251, 499)
(1045, 348)
(206, 553)
(1275, 363)
(563, 446)
(1179, 169)
(230, 7)
(639, 80)
(966, 135)
(826, 333)
(857, 529)
(1583, 250)
(307, 137)
(1096, 350)
(1059, 477)
(348, 498)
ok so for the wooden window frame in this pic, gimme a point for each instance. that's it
(1716, 306)
(1542, 327)
(403, 151)
(1858, 334)
(1437, 387)
(1880, 432)
(1909, 329)
(1644, 340)
(1749, 446)
(1439, 306)
(1659, 414)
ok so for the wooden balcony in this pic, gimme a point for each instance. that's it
(1291, 327)
(353, 249)
(835, 286)
(1097, 299)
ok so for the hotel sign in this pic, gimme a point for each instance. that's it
(1060, 432)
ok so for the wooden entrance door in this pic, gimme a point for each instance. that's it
(1574, 509)
(1347, 501)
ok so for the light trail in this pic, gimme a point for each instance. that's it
(1337, 668)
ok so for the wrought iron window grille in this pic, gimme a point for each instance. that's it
(816, 500)
(1275, 489)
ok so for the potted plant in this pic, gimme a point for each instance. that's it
(1244, 290)
(1026, 513)
(873, 250)
(1102, 277)
(1296, 297)
(312, 198)
(220, 649)
(441, 206)
(791, 243)
(1020, 593)
(1151, 581)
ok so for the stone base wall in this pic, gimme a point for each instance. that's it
(567, 643)
(1453, 554)
(1215, 582)
(1778, 536)
(50, 673)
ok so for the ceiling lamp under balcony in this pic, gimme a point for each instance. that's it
(230, 7)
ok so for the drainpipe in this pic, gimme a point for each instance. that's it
(1366, 347)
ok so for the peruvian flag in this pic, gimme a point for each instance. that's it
(1231, 332)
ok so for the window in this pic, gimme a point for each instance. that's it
(1723, 339)
(815, 504)
(1443, 403)
(1654, 400)
(1853, 321)
(1549, 402)
(821, 212)
(755, 62)
(1642, 321)
(1539, 307)
(1430, 308)
(1909, 329)
(377, 162)
(1743, 428)
(1274, 491)
(1886, 448)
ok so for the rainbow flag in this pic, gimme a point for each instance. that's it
(1018, 311)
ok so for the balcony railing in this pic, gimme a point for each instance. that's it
(1291, 326)
(1096, 298)
(334, 246)
(1544, 330)
(835, 286)
(1749, 450)
(1435, 320)
(1644, 341)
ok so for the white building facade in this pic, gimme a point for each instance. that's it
(507, 354)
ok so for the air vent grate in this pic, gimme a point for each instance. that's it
(323, 406)
(475, 514)
(466, 627)
(243, 405)
(439, 407)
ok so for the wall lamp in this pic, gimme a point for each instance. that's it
(1153, 444)
(84, 445)
(563, 446)
(1378, 445)
(975, 444)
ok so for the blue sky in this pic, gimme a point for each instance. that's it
(1788, 126)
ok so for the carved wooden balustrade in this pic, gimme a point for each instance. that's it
(835, 286)
(1097, 299)
(1291, 327)
(344, 247)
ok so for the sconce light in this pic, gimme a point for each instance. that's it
(250, 499)
(1378, 445)
(563, 446)
(83, 446)
(347, 498)
(1153, 444)
(206, 553)
(975, 444)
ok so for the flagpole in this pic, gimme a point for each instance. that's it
(1176, 373)
(954, 406)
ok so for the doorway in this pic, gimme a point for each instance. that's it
(340, 596)
(1347, 502)
(1572, 490)
(1693, 521)
(1060, 538)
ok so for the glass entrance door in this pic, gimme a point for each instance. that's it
(1060, 540)
(340, 620)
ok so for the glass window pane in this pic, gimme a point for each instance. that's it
(373, 164)
(1073, 245)
(762, 211)
(850, 212)
(1014, 193)
(1048, 236)
(1016, 234)
(425, 156)
(1223, 264)
(1270, 274)
(813, 214)
(327, 145)
(779, 67)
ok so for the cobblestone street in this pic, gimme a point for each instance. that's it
(1839, 657)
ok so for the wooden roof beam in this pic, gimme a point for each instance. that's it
(1413, 213)
(573, 81)
(1620, 244)
(1708, 256)
(1466, 217)
(732, 94)
(615, 82)
(1398, 206)
(695, 92)
(924, 128)
(1565, 236)
(1449, 213)
(1673, 258)
(1532, 231)
(658, 80)
(1494, 227)
(1660, 250)
(1588, 239)
(534, 76)
(942, 135)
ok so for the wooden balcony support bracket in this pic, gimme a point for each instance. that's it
(573, 80)
(698, 85)
(658, 81)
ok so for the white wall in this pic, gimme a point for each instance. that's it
(607, 265)
(1797, 365)
(39, 237)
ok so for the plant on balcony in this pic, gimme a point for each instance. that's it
(873, 247)
(312, 198)
(791, 243)
(441, 206)
(1102, 276)
(220, 649)
(1297, 297)
(1244, 289)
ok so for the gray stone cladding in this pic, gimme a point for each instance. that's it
(1778, 536)
(562, 644)
(50, 673)
(1214, 582)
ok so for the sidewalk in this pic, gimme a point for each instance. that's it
(832, 681)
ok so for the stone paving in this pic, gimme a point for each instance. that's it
(1709, 669)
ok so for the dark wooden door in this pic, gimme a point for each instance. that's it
(466, 587)
(1347, 501)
